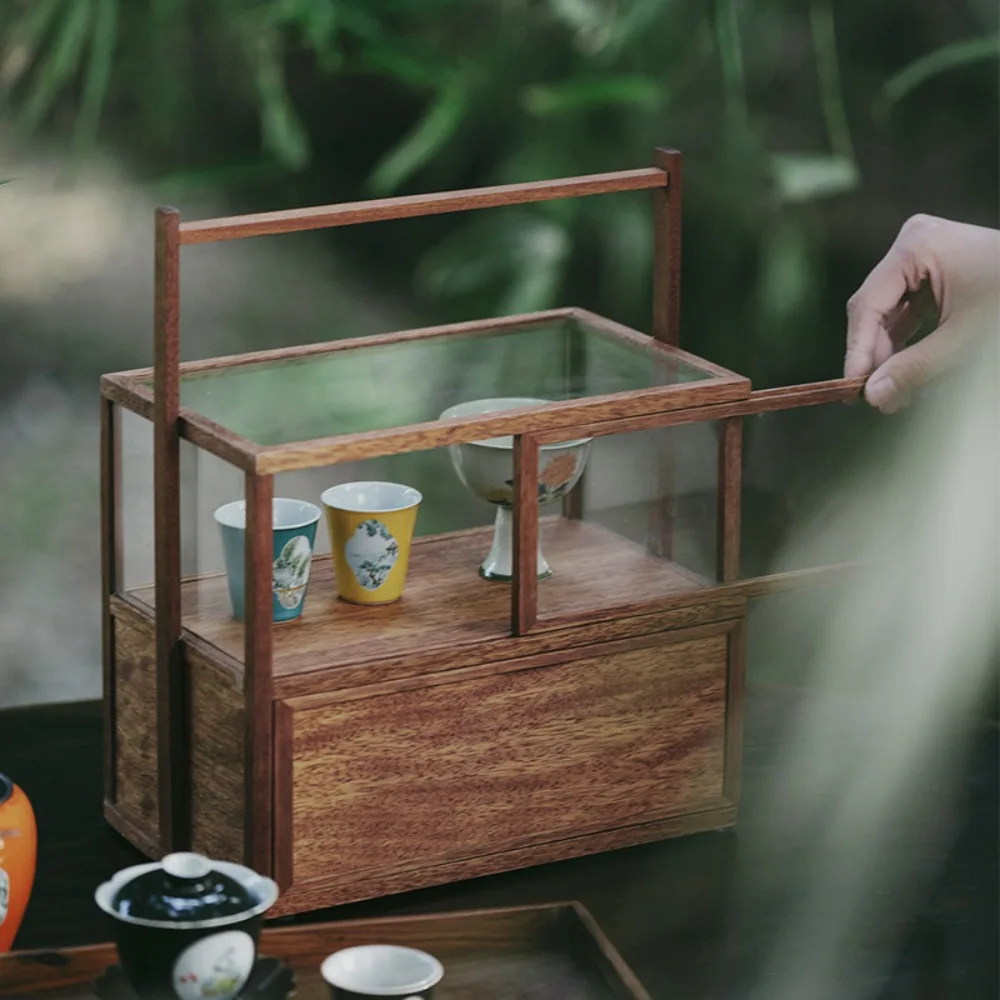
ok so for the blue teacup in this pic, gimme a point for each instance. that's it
(294, 524)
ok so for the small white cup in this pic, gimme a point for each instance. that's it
(381, 972)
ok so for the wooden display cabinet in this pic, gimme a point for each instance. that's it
(474, 726)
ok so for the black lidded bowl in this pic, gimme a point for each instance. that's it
(187, 928)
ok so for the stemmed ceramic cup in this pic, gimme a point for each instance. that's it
(486, 470)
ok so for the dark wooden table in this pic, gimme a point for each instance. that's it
(671, 908)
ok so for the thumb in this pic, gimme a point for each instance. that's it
(892, 384)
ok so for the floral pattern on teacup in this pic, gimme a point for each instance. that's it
(371, 552)
(214, 967)
(290, 572)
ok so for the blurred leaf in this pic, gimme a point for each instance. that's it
(582, 95)
(541, 255)
(393, 61)
(425, 141)
(95, 89)
(62, 62)
(727, 40)
(23, 41)
(627, 240)
(283, 133)
(786, 278)
(939, 61)
(591, 21)
(828, 76)
(804, 177)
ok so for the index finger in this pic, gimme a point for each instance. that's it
(870, 310)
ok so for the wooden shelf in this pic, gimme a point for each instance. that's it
(445, 604)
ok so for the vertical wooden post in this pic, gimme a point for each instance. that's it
(173, 756)
(666, 324)
(111, 574)
(258, 687)
(735, 697)
(729, 490)
(667, 249)
(524, 586)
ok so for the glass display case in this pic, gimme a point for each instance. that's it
(433, 603)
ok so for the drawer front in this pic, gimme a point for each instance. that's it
(417, 777)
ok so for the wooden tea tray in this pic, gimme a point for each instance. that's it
(553, 952)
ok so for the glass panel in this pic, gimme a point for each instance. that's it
(795, 462)
(393, 385)
(136, 479)
(207, 609)
(648, 524)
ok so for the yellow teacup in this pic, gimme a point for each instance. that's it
(371, 531)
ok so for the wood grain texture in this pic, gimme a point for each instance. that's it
(552, 952)
(171, 694)
(735, 701)
(140, 838)
(138, 377)
(554, 418)
(136, 751)
(667, 248)
(730, 479)
(524, 589)
(111, 574)
(258, 688)
(839, 390)
(410, 206)
(447, 610)
(284, 798)
(304, 896)
(120, 389)
(218, 761)
(417, 778)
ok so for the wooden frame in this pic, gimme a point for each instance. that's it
(251, 675)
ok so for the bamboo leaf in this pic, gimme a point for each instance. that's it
(61, 64)
(425, 140)
(941, 60)
(95, 89)
(828, 75)
(580, 96)
(283, 133)
(727, 40)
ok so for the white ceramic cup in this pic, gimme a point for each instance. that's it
(381, 972)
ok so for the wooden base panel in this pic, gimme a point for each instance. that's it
(319, 894)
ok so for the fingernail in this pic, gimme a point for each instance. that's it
(880, 392)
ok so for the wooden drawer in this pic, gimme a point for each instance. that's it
(378, 782)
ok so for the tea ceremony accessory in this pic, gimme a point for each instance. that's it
(486, 469)
(381, 972)
(331, 754)
(187, 927)
(294, 529)
(371, 531)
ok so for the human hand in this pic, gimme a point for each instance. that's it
(934, 265)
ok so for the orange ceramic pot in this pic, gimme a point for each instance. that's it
(18, 843)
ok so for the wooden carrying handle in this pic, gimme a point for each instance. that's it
(351, 213)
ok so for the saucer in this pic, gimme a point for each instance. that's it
(271, 979)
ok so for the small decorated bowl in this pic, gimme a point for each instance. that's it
(187, 928)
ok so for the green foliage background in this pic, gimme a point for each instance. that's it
(811, 128)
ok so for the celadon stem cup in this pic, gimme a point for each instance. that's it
(294, 523)
(486, 469)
